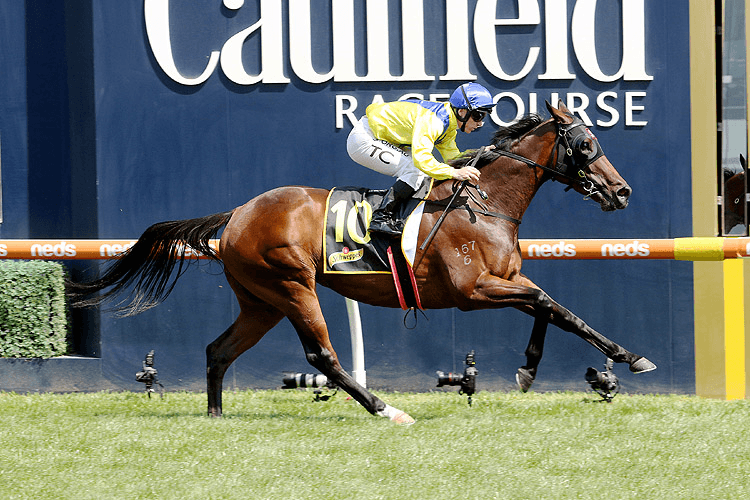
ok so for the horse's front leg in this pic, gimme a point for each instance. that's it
(491, 291)
(527, 373)
(566, 320)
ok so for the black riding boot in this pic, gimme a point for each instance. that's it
(384, 218)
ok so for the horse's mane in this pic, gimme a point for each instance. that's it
(503, 139)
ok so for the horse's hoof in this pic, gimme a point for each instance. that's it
(524, 379)
(395, 415)
(402, 419)
(642, 365)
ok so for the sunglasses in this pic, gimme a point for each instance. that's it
(478, 115)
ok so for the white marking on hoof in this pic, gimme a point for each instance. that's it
(524, 380)
(395, 415)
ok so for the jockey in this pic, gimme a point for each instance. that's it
(398, 138)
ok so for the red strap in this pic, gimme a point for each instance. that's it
(396, 281)
(413, 280)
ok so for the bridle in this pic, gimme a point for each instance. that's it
(571, 160)
(570, 156)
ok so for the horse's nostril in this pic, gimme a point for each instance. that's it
(624, 193)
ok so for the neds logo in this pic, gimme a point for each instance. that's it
(61, 249)
(107, 250)
(561, 249)
(633, 249)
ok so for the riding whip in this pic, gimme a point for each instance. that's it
(439, 222)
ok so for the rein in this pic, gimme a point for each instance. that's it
(532, 163)
(466, 207)
(427, 240)
(561, 158)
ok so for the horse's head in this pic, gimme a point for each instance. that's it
(734, 196)
(582, 163)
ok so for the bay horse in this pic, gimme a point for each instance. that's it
(271, 250)
(734, 196)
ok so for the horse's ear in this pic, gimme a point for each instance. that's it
(562, 107)
(743, 162)
(562, 114)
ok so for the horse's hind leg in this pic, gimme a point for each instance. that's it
(254, 321)
(303, 310)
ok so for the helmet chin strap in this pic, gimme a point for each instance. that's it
(463, 121)
(469, 109)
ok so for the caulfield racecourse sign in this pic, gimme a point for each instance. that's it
(414, 40)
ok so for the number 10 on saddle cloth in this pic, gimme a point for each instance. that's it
(347, 245)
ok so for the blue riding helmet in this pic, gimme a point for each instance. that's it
(472, 96)
(475, 99)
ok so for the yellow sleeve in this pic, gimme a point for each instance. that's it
(427, 129)
(448, 148)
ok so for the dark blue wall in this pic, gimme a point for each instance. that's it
(145, 149)
(13, 121)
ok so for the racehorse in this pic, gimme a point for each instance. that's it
(734, 197)
(271, 250)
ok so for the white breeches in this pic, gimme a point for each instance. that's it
(382, 156)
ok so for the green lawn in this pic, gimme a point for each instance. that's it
(282, 445)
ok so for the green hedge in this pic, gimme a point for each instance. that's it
(33, 321)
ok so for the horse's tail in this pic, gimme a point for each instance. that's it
(148, 264)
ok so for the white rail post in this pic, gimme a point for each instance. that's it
(358, 346)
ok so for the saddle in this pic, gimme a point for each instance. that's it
(349, 248)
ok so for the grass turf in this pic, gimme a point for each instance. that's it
(281, 445)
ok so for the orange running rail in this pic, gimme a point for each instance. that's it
(558, 249)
